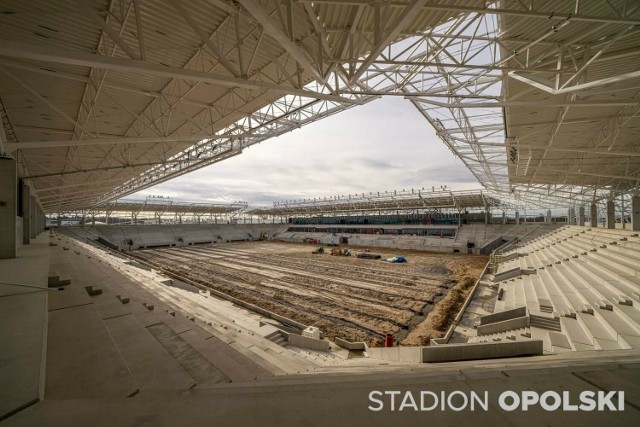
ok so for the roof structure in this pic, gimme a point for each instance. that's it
(167, 205)
(386, 201)
(100, 99)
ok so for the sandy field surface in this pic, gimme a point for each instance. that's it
(345, 296)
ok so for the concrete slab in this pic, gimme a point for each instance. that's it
(195, 364)
(559, 340)
(22, 335)
(82, 360)
(237, 367)
(23, 325)
(627, 380)
(312, 400)
(150, 364)
(68, 296)
(31, 267)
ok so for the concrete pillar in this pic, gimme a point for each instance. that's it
(572, 216)
(59, 219)
(39, 226)
(504, 217)
(635, 213)
(36, 213)
(581, 216)
(93, 220)
(486, 216)
(594, 215)
(26, 213)
(8, 208)
(517, 217)
(32, 217)
(611, 214)
(547, 219)
(83, 220)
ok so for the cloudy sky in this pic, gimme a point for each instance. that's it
(384, 145)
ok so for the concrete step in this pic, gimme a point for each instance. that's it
(151, 366)
(83, 362)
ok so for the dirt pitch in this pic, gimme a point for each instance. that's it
(347, 297)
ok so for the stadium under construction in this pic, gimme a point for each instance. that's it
(116, 309)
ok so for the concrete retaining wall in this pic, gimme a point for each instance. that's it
(455, 352)
(350, 345)
(434, 244)
(183, 234)
(489, 247)
(237, 301)
(506, 325)
(503, 315)
(396, 354)
(306, 342)
(460, 314)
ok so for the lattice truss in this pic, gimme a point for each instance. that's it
(101, 99)
(159, 207)
(406, 201)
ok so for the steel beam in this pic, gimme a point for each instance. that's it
(106, 141)
(63, 56)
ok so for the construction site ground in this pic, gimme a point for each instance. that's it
(345, 296)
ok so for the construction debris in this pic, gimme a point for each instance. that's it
(368, 255)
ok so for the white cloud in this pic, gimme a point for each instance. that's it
(384, 145)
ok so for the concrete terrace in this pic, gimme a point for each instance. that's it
(580, 287)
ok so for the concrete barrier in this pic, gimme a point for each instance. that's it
(306, 342)
(514, 272)
(222, 295)
(396, 354)
(350, 345)
(458, 318)
(509, 257)
(506, 325)
(494, 350)
(503, 315)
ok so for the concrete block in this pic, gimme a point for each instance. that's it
(93, 292)
(123, 300)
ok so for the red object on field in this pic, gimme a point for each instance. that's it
(388, 340)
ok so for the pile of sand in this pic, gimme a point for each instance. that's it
(438, 269)
(442, 316)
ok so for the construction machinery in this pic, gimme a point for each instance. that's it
(340, 252)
